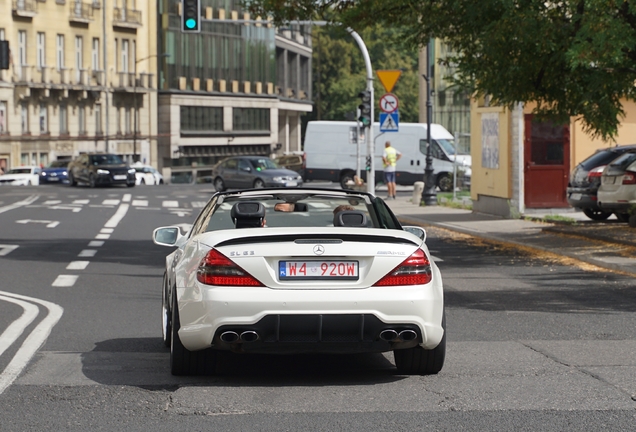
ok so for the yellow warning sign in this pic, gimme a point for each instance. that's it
(388, 78)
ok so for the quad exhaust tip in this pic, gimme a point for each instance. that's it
(229, 337)
(249, 336)
(390, 335)
(407, 335)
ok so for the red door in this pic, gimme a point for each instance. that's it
(547, 163)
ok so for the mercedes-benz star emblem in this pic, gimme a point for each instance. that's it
(319, 249)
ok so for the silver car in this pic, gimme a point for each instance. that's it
(245, 172)
(618, 188)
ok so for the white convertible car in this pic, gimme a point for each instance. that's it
(300, 270)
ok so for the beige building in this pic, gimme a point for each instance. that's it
(79, 72)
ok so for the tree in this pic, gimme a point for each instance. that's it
(573, 58)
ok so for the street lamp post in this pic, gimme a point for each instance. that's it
(135, 109)
(429, 194)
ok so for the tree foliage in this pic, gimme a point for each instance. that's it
(573, 58)
(339, 74)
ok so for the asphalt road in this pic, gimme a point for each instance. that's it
(532, 345)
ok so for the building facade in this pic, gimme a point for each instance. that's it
(240, 86)
(80, 80)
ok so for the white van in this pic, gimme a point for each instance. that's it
(330, 147)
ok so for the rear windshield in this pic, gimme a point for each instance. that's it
(601, 157)
(623, 161)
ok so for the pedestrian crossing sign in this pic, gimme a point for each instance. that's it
(389, 122)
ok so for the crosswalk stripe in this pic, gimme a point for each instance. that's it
(170, 203)
(77, 265)
(140, 203)
(65, 280)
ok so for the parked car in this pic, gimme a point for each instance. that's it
(245, 172)
(585, 180)
(55, 172)
(147, 175)
(96, 169)
(21, 176)
(617, 192)
(293, 161)
(323, 271)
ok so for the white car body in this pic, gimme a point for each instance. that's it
(617, 192)
(21, 176)
(146, 174)
(402, 318)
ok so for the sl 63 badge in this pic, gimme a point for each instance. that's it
(241, 253)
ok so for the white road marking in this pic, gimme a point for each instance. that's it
(49, 224)
(32, 343)
(102, 236)
(81, 201)
(16, 328)
(170, 204)
(65, 280)
(77, 265)
(87, 253)
(74, 209)
(126, 198)
(112, 202)
(106, 230)
(95, 243)
(118, 216)
(25, 202)
(180, 213)
(198, 204)
(140, 203)
(51, 202)
(7, 249)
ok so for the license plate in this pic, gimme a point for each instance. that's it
(575, 196)
(53, 179)
(119, 177)
(292, 183)
(318, 270)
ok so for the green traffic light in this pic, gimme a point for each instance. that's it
(190, 23)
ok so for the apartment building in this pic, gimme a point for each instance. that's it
(240, 86)
(80, 80)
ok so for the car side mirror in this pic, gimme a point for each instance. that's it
(246, 169)
(415, 230)
(166, 236)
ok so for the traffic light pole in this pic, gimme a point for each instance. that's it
(369, 128)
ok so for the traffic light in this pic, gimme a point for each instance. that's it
(365, 108)
(191, 16)
(368, 163)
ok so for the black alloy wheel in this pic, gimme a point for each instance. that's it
(597, 215)
(259, 184)
(445, 183)
(347, 180)
(219, 184)
(420, 361)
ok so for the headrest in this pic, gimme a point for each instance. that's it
(248, 214)
(350, 218)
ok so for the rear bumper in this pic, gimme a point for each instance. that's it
(335, 321)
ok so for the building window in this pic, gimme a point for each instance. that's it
(251, 119)
(98, 120)
(3, 117)
(44, 159)
(127, 121)
(81, 120)
(95, 55)
(25, 159)
(24, 118)
(118, 115)
(44, 119)
(79, 58)
(59, 48)
(124, 55)
(22, 47)
(201, 119)
(116, 56)
(63, 119)
(41, 51)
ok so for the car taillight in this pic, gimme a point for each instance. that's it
(415, 270)
(217, 269)
(596, 172)
(629, 178)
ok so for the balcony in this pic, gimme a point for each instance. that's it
(25, 8)
(125, 79)
(81, 12)
(128, 18)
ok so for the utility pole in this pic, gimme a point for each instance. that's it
(429, 194)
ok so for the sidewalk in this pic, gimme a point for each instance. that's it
(609, 245)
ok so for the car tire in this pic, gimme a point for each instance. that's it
(632, 221)
(183, 361)
(92, 181)
(259, 184)
(166, 316)
(445, 182)
(622, 217)
(130, 184)
(420, 361)
(597, 215)
(219, 184)
(347, 179)
(71, 180)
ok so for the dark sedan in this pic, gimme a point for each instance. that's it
(55, 172)
(586, 179)
(244, 172)
(100, 169)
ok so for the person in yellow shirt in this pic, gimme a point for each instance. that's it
(389, 159)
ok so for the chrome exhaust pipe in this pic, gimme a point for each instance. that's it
(388, 335)
(229, 337)
(249, 336)
(408, 335)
